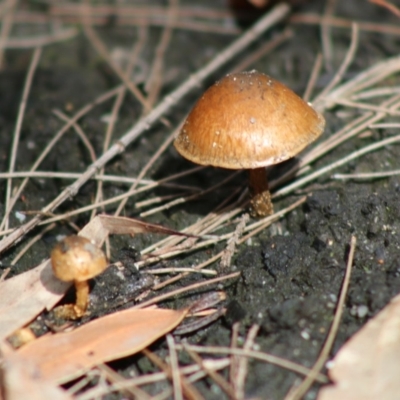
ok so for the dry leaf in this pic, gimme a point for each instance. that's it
(65, 356)
(132, 226)
(20, 376)
(367, 367)
(25, 296)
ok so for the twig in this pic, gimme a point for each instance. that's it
(40, 40)
(316, 70)
(391, 7)
(190, 392)
(154, 377)
(326, 34)
(315, 19)
(342, 69)
(6, 26)
(217, 378)
(366, 175)
(323, 356)
(31, 242)
(174, 366)
(232, 242)
(257, 355)
(9, 203)
(191, 197)
(137, 48)
(275, 42)
(168, 295)
(309, 178)
(102, 50)
(154, 81)
(243, 362)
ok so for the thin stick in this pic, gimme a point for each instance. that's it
(154, 81)
(31, 242)
(172, 270)
(79, 131)
(6, 26)
(190, 392)
(275, 42)
(326, 34)
(107, 178)
(315, 19)
(149, 164)
(14, 148)
(137, 48)
(174, 366)
(363, 106)
(217, 378)
(323, 356)
(234, 359)
(115, 378)
(153, 377)
(342, 69)
(174, 293)
(243, 362)
(257, 355)
(366, 175)
(352, 156)
(391, 7)
(185, 199)
(48, 148)
(103, 51)
(316, 70)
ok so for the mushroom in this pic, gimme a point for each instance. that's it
(249, 121)
(77, 259)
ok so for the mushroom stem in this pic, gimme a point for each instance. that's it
(82, 297)
(260, 201)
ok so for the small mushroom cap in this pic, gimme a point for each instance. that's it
(76, 258)
(248, 120)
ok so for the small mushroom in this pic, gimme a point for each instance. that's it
(249, 121)
(77, 259)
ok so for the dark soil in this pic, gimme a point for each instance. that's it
(291, 274)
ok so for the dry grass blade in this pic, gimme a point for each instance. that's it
(303, 388)
(173, 293)
(174, 367)
(190, 392)
(9, 203)
(367, 175)
(122, 333)
(192, 371)
(367, 366)
(218, 379)
(257, 355)
(311, 177)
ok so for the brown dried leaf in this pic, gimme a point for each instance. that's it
(20, 377)
(25, 296)
(65, 356)
(132, 226)
(367, 367)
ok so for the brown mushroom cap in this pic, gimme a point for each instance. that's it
(248, 120)
(76, 258)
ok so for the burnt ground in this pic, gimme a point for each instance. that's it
(291, 273)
